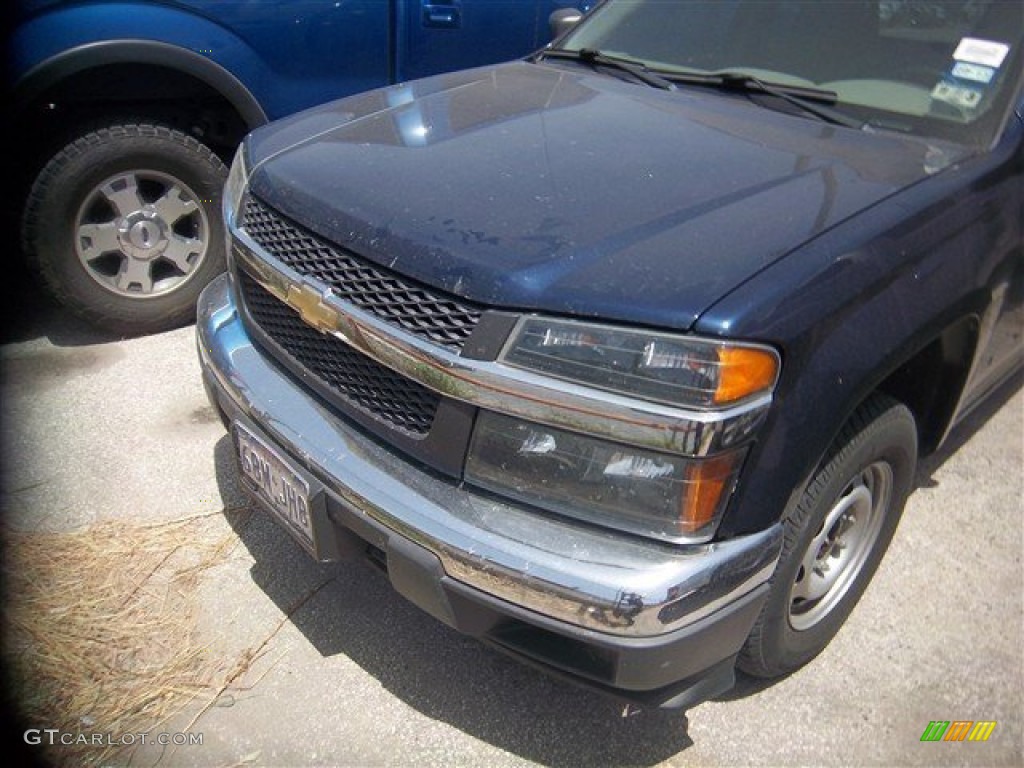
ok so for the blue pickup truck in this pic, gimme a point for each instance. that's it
(126, 111)
(620, 358)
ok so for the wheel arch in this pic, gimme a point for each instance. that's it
(134, 64)
(928, 374)
(929, 378)
(931, 382)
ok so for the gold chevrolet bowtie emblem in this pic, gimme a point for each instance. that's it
(309, 303)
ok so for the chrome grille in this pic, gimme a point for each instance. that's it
(425, 312)
(356, 379)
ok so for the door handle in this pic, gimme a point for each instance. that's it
(441, 15)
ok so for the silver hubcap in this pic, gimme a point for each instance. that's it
(841, 546)
(141, 234)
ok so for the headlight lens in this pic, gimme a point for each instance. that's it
(667, 368)
(654, 494)
(234, 188)
(667, 496)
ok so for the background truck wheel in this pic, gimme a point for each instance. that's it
(835, 538)
(124, 226)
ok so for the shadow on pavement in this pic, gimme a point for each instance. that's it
(31, 313)
(441, 673)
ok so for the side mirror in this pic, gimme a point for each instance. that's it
(562, 20)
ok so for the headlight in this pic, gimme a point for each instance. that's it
(668, 368)
(663, 494)
(234, 188)
(659, 495)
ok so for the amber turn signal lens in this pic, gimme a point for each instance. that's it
(744, 371)
(708, 485)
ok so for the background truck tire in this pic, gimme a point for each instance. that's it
(124, 226)
(835, 538)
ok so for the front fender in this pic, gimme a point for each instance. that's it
(852, 307)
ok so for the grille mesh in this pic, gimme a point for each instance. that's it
(431, 315)
(358, 380)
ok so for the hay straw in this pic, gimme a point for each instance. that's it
(99, 628)
(246, 660)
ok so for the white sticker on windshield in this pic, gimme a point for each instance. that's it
(984, 52)
(974, 72)
(957, 95)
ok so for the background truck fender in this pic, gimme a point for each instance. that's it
(91, 55)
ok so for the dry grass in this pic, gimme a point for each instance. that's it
(99, 628)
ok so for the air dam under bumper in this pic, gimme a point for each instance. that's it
(649, 622)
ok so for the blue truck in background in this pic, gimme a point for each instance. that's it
(125, 113)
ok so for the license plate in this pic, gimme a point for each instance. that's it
(276, 484)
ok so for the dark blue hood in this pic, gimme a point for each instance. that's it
(544, 187)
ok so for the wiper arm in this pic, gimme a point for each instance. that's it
(802, 97)
(598, 59)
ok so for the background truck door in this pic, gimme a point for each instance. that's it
(440, 35)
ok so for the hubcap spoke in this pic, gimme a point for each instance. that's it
(174, 204)
(122, 192)
(179, 251)
(96, 239)
(135, 276)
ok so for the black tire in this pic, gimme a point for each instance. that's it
(124, 226)
(835, 538)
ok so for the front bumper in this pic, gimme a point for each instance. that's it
(656, 623)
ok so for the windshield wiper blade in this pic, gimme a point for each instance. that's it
(804, 98)
(596, 58)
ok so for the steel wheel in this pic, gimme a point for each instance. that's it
(841, 546)
(141, 233)
(834, 537)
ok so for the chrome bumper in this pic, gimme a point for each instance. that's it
(586, 577)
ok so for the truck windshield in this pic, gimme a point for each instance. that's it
(947, 69)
